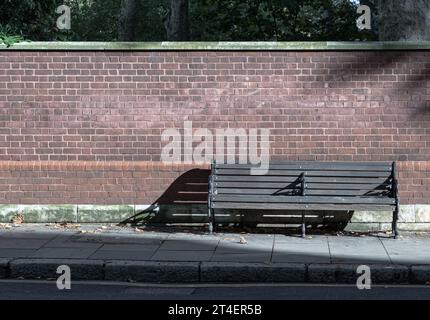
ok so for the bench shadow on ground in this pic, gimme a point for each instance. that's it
(183, 206)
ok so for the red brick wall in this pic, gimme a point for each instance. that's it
(91, 182)
(111, 107)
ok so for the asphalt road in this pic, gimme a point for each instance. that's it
(35, 290)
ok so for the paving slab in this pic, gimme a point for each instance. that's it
(132, 255)
(235, 246)
(62, 241)
(16, 253)
(181, 255)
(64, 253)
(302, 250)
(194, 235)
(195, 245)
(366, 250)
(120, 239)
(18, 243)
(242, 257)
(305, 257)
(254, 237)
(280, 238)
(27, 234)
(408, 251)
(128, 247)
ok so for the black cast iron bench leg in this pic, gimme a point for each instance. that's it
(394, 223)
(303, 225)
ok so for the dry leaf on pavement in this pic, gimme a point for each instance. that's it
(17, 218)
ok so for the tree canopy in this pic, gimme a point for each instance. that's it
(210, 20)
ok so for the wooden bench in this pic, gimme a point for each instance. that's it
(303, 186)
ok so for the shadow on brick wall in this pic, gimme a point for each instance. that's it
(179, 201)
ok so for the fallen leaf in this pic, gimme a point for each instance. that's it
(17, 218)
(67, 225)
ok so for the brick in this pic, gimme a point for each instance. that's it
(107, 107)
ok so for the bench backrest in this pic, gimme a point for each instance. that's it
(322, 179)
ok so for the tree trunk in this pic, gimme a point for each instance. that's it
(127, 20)
(176, 23)
(404, 20)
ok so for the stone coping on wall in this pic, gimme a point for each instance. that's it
(218, 46)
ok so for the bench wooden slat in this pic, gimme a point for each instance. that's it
(308, 173)
(289, 179)
(301, 199)
(296, 206)
(281, 185)
(347, 186)
(386, 167)
(308, 192)
(300, 162)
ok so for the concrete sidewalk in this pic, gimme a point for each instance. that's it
(97, 252)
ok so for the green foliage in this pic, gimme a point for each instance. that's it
(7, 37)
(97, 20)
(93, 20)
(150, 26)
(32, 19)
(282, 20)
(210, 20)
